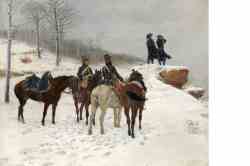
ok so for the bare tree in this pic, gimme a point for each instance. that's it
(10, 35)
(34, 12)
(60, 17)
(12, 9)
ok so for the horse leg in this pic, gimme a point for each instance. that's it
(140, 117)
(20, 110)
(103, 112)
(77, 109)
(126, 111)
(119, 117)
(53, 113)
(87, 113)
(134, 113)
(81, 109)
(92, 116)
(115, 117)
(44, 112)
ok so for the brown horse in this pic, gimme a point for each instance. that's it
(48, 97)
(82, 94)
(132, 97)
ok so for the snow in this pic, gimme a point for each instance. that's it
(169, 68)
(174, 130)
(193, 88)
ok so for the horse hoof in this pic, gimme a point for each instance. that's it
(140, 127)
(53, 123)
(129, 133)
(133, 136)
(90, 132)
(102, 132)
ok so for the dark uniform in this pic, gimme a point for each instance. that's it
(152, 50)
(84, 71)
(109, 71)
(162, 54)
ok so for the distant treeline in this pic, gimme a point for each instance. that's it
(69, 48)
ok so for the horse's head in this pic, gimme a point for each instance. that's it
(61, 82)
(135, 76)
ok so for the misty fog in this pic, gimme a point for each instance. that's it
(120, 26)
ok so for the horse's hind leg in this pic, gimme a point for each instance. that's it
(103, 112)
(140, 117)
(87, 113)
(20, 109)
(115, 117)
(54, 113)
(92, 116)
(119, 115)
(126, 111)
(81, 109)
(77, 109)
(44, 113)
(134, 113)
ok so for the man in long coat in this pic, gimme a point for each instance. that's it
(161, 41)
(152, 50)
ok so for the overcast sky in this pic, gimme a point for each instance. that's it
(121, 25)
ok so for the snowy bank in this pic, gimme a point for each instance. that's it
(174, 130)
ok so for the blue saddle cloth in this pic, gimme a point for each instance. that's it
(35, 83)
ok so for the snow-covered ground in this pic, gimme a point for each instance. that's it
(174, 128)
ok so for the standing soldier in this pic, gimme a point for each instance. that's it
(84, 72)
(108, 71)
(152, 50)
(162, 54)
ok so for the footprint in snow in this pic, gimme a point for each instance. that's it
(3, 161)
(48, 164)
(107, 154)
(86, 156)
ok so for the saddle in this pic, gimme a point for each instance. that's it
(135, 91)
(35, 83)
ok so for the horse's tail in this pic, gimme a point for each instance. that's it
(135, 97)
(18, 88)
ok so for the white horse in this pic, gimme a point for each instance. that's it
(104, 96)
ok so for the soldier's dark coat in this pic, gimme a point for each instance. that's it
(108, 71)
(84, 71)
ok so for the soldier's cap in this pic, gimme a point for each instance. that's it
(160, 36)
(149, 35)
(84, 58)
(107, 56)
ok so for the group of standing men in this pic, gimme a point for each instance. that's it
(156, 52)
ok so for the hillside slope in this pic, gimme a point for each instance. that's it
(173, 130)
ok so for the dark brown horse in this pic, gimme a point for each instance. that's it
(82, 95)
(48, 97)
(132, 97)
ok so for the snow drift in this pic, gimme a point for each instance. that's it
(174, 130)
